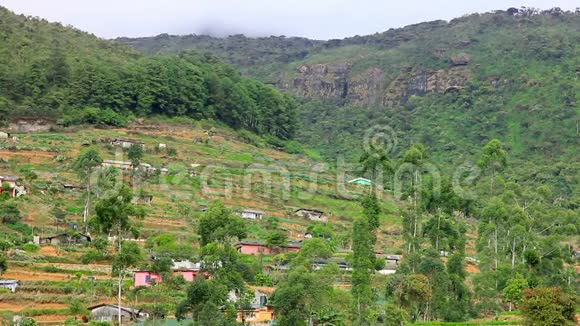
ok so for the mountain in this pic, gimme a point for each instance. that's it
(453, 86)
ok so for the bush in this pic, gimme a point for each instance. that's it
(5, 245)
(9, 212)
(293, 147)
(94, 116)
(30, 247)
(251, 138)
(548, 306)
(92, 256)
(27, 322)
(263, 280)
(51, 269)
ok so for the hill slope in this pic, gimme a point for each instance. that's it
(54, 71)
(511, 75)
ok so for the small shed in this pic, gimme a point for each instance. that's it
(9, 284)
(126, 143)
(14, 189)
(65, 238)
(312, 214)
(361, 181)
(71, 186)
(252, 214)
(142, 199)
(110, 313)
(4, 135)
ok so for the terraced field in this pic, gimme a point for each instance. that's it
(201, 166)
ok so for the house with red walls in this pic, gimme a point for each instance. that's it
(257, 248)
(189, 271)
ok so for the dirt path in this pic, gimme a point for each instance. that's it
(35, 305)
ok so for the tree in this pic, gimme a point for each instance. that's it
(9, 212)
(3, 264)
(302, 296)
(375, 160)
(459, 302)
(276, 239)
(513, 291)
(220, 224)
(411, 292)
(113, 214)
(363, 263)
(135, 154)
(84, 164)
(205, 299)
(371, 210)
(548, 306)
(415, 157)
(493, 157)
(441, 231)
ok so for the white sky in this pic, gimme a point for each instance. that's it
(317, 19)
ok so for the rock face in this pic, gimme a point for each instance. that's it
(420, 83)
(30, 125)
(321, 80)
(370, 87)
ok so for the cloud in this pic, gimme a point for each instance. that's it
(319, 19)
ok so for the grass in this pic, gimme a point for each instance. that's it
(467, 323)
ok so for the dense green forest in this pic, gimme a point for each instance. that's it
(47, 70)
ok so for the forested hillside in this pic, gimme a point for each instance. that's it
(511, 75)
(51, 71)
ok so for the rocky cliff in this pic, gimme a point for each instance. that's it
(373, 86)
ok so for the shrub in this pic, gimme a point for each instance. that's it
(263, 280)
(293, 147)
(92, 256)
(50, 269)
(77, 307)
(9, 212)
(27, 322)
(251, 138)
(94, 116)
(30, 247)
(5, 245)
(170, 151)
(548, 306)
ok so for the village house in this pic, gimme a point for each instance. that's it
(312, 214)
(361, 181)
(70, 186)
(252, 214)
(4, 135)
(110, 313)
(61, 239)
(188, 270)
(258, 312)
(127, 165)
(9, 284)
(126, 143)
(14, 188)
(145, 278)
(257, 248)
(142, 199)
(341, 263)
